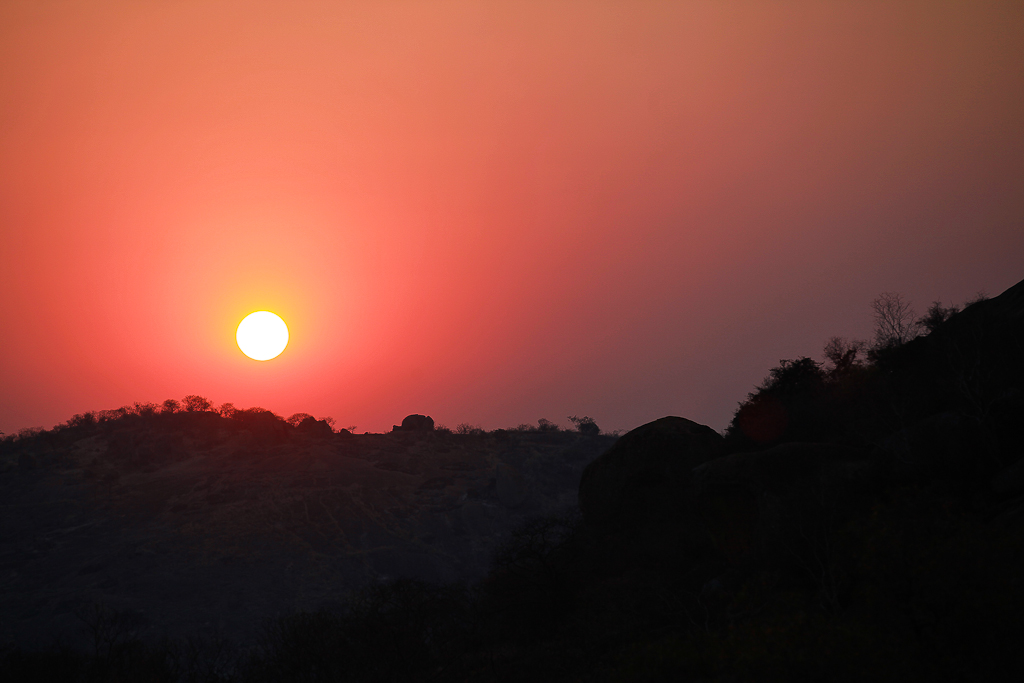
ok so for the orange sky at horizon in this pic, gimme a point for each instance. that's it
(488, 212)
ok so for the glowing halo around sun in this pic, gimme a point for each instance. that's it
(262, 335)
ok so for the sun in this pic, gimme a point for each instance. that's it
(262, 335)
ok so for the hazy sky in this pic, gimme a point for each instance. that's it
(488, 212)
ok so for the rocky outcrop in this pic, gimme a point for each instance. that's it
(640, 480)
(264, 425)
(947, 445)
(315, 428)
(417, 423)
(779, 499)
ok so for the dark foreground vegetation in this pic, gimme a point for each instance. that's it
(861, 520)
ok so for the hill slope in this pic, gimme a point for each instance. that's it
(204, 524)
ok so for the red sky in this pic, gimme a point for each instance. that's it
(488, 212)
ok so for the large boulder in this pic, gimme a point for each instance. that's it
(641, 479)
(1010, 481)
(782, 500)
(418, 423)
(949, 446)
(267, 427)
(319, 429)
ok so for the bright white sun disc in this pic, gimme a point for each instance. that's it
(262, 335)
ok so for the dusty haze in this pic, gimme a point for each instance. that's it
(488, 212)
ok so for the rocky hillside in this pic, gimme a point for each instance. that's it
(202, 524)
(859, 521)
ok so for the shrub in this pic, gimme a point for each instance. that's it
(546, 425)
(29, 432)
(529, 591)
(113, 414)
(786, 405)
(585, 425)
(937, 316)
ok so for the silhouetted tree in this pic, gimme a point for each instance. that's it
(82, 420)
(585, 425)
(144, 409)
(29, 432)
(843, 353)
(545, 425)
(296, 419)
(113, 414)
(936, 316)
(196, 404)
(170, 406)
(894, 321)
(793, 377)
(787, 405)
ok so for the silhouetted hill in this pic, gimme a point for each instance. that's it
(200, 523)
(968, 368)
(860, 520)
